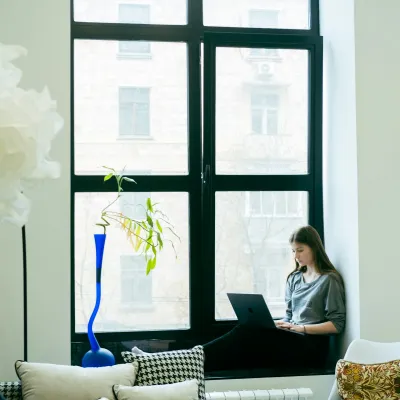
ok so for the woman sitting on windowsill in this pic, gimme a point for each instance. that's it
(315, 307)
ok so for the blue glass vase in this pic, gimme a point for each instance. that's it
(97, 356)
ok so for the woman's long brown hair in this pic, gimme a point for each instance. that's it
(309, 236)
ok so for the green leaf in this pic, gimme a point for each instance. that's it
(128, 179)
(159, 226)
(149, 220)
(160, 241)
(148, 203)
(154, 250)
(139, 242)
(138, 230)
(151, 264)
(147, 247)
(148, 267)
(109, 176)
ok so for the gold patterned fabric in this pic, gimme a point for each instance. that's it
(368, 381)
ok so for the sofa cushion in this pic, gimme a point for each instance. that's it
(49, 381)
(169, 367)
(11, 390)
(368, 381)
(187, 390)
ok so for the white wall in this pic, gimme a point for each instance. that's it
(340, 152)
(43, 27)
(362, 163)
(378, 143)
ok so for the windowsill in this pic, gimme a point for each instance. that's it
(268, 373)
(116, 346)
(134, 56)
(134, 137)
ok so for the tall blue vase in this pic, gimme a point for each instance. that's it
(97, 356)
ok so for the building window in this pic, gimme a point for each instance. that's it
(134, 14)
(136, 286)
(263, 19)
(134, 111)
(265, 113)
(274, 204)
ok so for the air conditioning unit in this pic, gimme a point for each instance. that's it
(265, 68)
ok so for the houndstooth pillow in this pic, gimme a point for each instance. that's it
(169, 367)
(11, 390)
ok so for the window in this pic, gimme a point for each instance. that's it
(265, 113)
(134, 111)
(274, 204)
(229, 145)
(134, 14)
(136, 287)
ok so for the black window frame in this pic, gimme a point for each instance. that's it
(202, 182)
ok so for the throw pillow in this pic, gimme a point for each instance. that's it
(11, 390)
(187, 390)
(368, 381)
(136, 350)
(49, 381)
(169, 367)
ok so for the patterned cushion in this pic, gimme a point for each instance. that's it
(368, 381)
(11, 390)
(169, 367)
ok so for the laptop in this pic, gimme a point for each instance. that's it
(252, 310)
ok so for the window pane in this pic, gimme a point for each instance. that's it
(252, 248)
(284, 14)
(130, 112)
(261, 113)
(136, 286)
(163, 12)
(130, 299)
(134, 13)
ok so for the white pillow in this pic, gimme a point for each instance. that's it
(62, 382)
(136, 350)
(186, 390)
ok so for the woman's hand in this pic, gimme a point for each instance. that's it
(291, 327)
(283, 324)
(297, 328)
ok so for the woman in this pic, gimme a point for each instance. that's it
(315, 307)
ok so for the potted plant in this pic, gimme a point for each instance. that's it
(146, 235)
